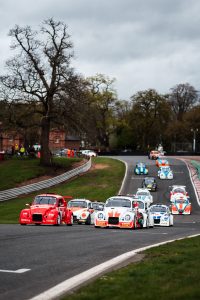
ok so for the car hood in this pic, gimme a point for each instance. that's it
(41, 209)
(116, 211)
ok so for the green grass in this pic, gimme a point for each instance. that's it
(16, 170)
(97, 184)
(167, 272)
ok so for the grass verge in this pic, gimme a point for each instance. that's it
(167, 272)
(102, 181)
(17, 170)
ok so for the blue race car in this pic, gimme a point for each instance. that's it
(141, 168)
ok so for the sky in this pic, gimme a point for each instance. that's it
(143, 44)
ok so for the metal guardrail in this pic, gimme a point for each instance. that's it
(15, 192)
(197, 167)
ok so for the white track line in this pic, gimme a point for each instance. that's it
(76, 281)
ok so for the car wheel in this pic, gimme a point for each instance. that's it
(23, 224)
(88, 221)
(135, 223)
(58, 221)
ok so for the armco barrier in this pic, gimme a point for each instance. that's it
(15, 192)
(197, 167)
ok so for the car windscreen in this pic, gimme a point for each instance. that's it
(77, 203)
(44, 200)
(149, 180)
(97, 206)
(161, 209)
(141, 205)
(142, 194)
(179, 190)
(118, 202)
(181, 201)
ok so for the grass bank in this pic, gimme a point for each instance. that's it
(167, 272)
(16, 170)
(102, 181)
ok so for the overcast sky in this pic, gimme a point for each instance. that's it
(142, 43)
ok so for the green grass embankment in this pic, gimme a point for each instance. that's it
(17, 170)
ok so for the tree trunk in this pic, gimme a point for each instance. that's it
(45, 158)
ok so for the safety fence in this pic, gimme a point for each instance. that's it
(197, 167)
(15, 192)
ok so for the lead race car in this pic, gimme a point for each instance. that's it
(162, 215)
(82, 210)
(181, 205)
(47, 209)
(122, 212)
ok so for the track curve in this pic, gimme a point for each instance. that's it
(54, 254)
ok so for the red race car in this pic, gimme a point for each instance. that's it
(47, 209)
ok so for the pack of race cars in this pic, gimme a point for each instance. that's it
(120, 211)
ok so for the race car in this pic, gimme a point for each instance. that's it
(47, 209)
(178, 189)
(160, 162)
(162, 215)
(144, 194)
(181, 205)
(154, 154)
(82, 210)
(122, 212)
(165, 173)
(140, 168)
(149, 183)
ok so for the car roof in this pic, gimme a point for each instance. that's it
(80, 199)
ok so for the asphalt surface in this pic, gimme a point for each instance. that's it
(54, 254)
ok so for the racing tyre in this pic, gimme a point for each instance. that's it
(135, 224)
(71, 221)
(88, 221)
(58, 221)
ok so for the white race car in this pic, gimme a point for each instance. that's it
(144, 194)
(165, 173)
(122, 212)
(82, 210)
(178, 189)
(162, 215)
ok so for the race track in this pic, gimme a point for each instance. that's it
(53, 254)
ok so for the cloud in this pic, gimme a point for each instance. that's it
(142, 43)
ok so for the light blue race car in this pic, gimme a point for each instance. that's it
(165, 173)
(141, 168)
(162, 215)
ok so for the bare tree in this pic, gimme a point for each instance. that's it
(38, 73)
(182, 98)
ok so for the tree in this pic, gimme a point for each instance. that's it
(148, 118)
(182, 98)
(101, 102)
(39, 73)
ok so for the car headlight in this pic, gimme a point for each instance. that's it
(127, 218)
(100, 216)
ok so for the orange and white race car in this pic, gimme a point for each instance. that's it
(82, 210)
(160, 162)
(123, 212)
(181, 205)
